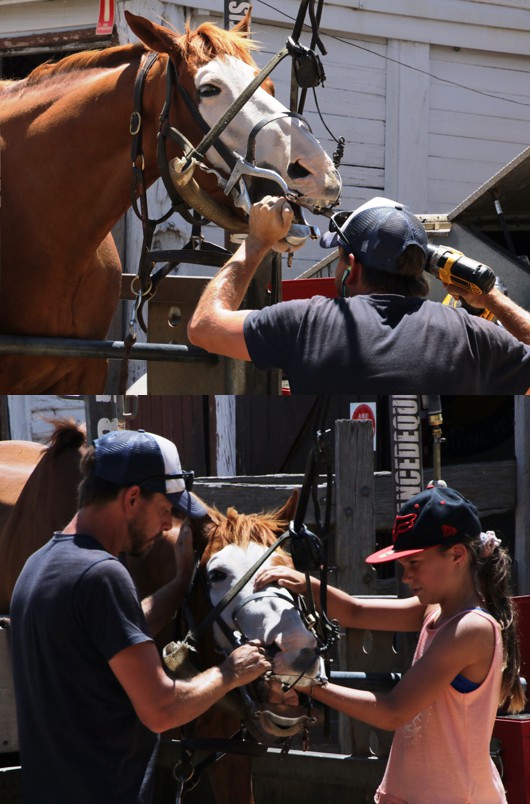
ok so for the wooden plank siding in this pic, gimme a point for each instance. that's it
(479, 120)
(491, 486)
(183, 419)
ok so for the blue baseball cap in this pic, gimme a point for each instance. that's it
(376, 233)
(138, 458)
(436, 516)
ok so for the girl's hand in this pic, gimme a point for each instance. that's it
(280, 575)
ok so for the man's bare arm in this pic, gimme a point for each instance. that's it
(514, 319)
(217, 323)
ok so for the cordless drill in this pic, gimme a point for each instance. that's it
(453, 268)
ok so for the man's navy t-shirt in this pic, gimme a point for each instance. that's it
(74, 607)
(385, 343)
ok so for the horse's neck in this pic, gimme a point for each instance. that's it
(84, 118)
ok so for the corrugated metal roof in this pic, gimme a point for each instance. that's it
(511, 186)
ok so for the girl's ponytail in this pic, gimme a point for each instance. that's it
(492, 567)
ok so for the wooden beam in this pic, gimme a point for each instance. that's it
(491, 486)
(522, 508)
(79, 39)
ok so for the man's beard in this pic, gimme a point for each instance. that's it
(139, 547)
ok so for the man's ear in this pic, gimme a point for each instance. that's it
(355, 274)
(130, 497)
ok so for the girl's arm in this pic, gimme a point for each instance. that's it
(465, 646)
(381, 614)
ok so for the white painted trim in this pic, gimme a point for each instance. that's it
(407, 136)
(17, 19)
(498, 27)
(225, 437)
(19, 417)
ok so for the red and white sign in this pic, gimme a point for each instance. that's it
(364, 411)
(106, 18)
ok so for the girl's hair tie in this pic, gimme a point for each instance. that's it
(489, 542)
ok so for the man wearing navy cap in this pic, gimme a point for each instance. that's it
(380, 334)
(91, 691)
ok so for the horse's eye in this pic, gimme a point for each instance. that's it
(208, 91)
(216, 575)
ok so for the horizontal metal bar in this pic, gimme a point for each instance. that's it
(364, 681)
(113, 350)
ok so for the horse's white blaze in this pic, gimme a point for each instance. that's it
(273, 619)
(279, 145)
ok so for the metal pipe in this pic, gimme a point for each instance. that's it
(364, 681)
(113, 350)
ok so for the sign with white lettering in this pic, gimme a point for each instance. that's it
(364, 411)
(234, 12)
(106, 18)
(407, 464)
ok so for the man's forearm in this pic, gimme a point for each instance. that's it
(217, 324)
(515, 319)
(223, 295)
(228, 287)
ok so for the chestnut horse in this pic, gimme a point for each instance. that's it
(233, 545)
(65, 150)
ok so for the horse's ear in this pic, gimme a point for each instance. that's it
(201, 528)
(244, 23)
(156, 37)
(288, 510)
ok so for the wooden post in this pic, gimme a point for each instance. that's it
(354, 478)
(522, 510)
(355, 537)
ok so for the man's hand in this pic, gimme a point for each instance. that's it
(245, 664)
(269, 221)
(477, 300)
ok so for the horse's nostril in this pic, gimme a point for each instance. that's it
(297, 171)
(272, 650)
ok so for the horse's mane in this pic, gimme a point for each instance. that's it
(242, 529)
(201, 45)
(86, 60)
(198, 46)
(67, 434)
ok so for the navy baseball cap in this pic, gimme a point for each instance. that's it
(138, 458)
(436, 516)
(376, 233)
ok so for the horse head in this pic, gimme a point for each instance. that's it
(213, 67)
(237, 543)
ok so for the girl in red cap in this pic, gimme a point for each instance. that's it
(466, 662)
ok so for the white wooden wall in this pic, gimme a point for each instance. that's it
(432, 98)
(30, 415)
